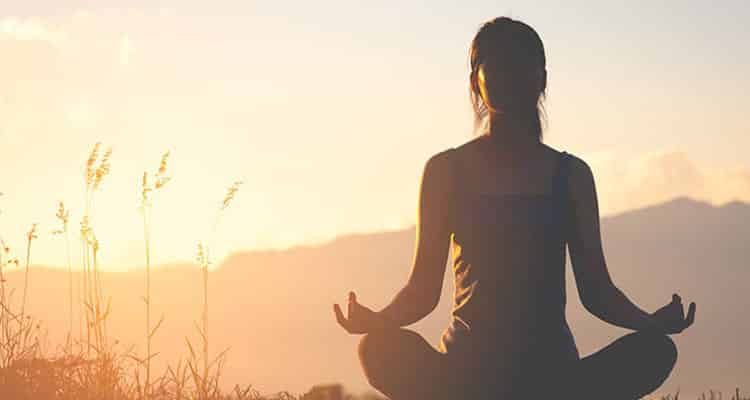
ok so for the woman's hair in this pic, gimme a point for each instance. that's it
(508, 73)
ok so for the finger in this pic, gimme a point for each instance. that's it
(340, 317)
(676, 298)
(350, 307)
(339, 314)
(352, 304)
(690, 315)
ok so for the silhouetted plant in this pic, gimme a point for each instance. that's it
(150, 184)
(207, 380)
(63, 216)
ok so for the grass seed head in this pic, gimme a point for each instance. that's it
(103, 169)
(63, 214)
(8, 258)
(163, 165)
(85, 227)
(202, 254)
(31, 235)
(231, 192)
(161, 177)
(90, 170)
(145, 190)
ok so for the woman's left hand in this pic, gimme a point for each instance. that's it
(671, 318)
(359, 319)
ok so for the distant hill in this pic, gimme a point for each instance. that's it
(273, 308)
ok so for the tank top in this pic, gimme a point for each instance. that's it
(508, 261)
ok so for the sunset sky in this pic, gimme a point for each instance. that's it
(328, 110)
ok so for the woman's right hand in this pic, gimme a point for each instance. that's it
(359, 319)
(671, 318)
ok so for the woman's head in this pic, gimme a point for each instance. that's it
(508, 74)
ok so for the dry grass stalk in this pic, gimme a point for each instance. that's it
(30, 236)
(96, 370)
(148, 188)
(93, 305)
(63, 216)
(207, 380)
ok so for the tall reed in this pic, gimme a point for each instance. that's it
(30, 236)
(96, 311)
(99, 370)
(205, 382)
(149, 186)
(19, 340)
(63, 216)
(6, 260)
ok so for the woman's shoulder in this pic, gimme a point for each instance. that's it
(580, 178)
(577, 171)
(577, 167)
(441, 165)
(444, 167)
(451, 155)
(445, 161)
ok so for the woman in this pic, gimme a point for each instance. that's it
(507, 205)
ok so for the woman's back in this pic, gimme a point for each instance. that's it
(508, 221)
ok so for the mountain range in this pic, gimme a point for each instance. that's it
(272, 309)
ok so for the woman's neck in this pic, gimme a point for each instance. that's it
(514, 132)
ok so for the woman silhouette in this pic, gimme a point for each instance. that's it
(507, 205)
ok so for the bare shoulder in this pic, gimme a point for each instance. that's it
(578, 169)
(467, 149)
(581, 184)
(440, 161)
(439, 169)
(446, 159)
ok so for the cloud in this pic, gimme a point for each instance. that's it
(58, 68)
(30, 29)
(627, 182)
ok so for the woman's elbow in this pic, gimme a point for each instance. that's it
(594, 307)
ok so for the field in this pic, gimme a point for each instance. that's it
(92, 365)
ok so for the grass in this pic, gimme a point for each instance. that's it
(93, 366)
(150, 184)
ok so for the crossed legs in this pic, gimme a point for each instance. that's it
(403, 366)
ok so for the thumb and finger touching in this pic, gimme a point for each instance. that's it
(688, 319)
(690, 315)
(340, 318)
(345, 320)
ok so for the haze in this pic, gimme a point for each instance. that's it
(329, 109)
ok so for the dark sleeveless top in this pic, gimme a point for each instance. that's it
(509, 267)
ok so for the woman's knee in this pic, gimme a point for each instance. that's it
(373, 349)
(663, 349)
(382, 343)
(368, 345)
(661, 353)
(379, 353)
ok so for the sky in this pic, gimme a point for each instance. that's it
(328, 110)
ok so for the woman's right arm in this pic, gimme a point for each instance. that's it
(598, 293)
